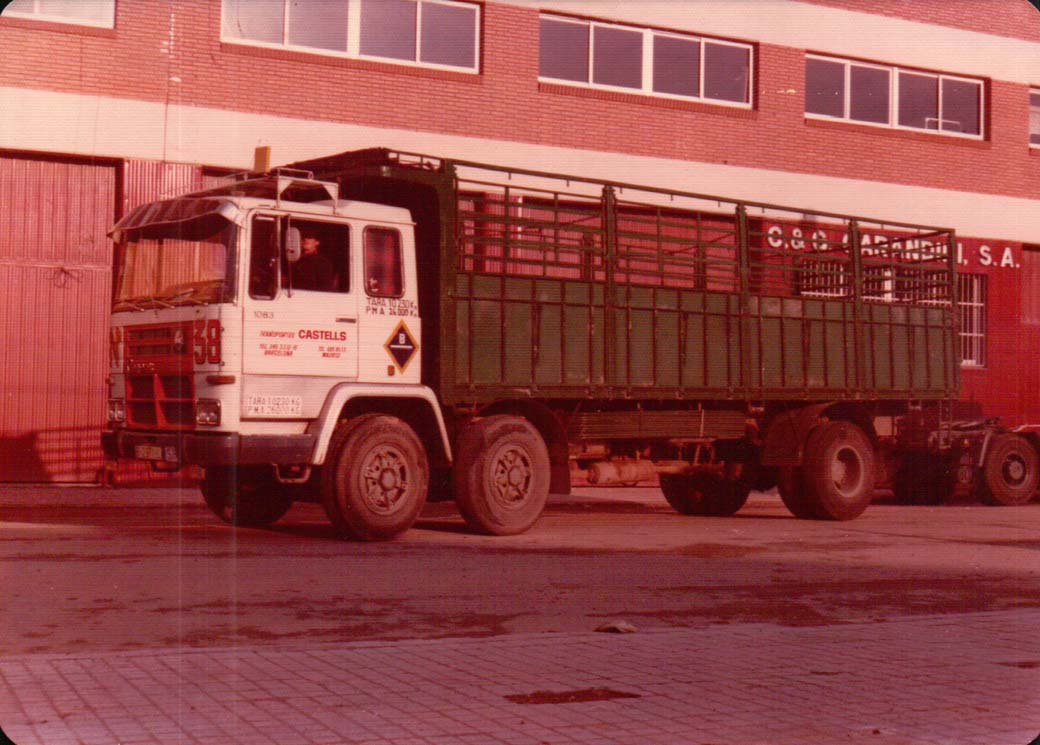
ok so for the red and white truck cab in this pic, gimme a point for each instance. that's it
(222, 358)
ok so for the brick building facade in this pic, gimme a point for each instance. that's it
(908, 111)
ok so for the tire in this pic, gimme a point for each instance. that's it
(705, 494)
(501, 475)
(790, 483)
(838, 471)
(724, 496)
(246, 496)
(923, 479)
(375, 478)
(683, 492)
(1009, 475)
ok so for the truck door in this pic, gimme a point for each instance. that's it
(300, 317)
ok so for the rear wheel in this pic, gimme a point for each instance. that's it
(1009, 476)
(790, 482)
(501, 475)
(248, 496)
(375, 478)
(839, 471)
(724, 496)
(705, 492)
(683, 492)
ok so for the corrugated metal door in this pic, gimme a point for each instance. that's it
(149, 180)
(55, 268)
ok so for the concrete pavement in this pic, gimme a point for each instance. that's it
(962, 678)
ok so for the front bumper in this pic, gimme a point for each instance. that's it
(208, 449)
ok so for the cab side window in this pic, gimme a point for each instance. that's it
(263, 258)
(324, 258)
(384, 275)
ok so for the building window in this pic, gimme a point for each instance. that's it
(878, 283)
(1030, 284)
(648, 61)
(1034, 118)
(972, 311)
(420, 31)
(892, 97)
(430, 33)
(100, 13)
(823, 278)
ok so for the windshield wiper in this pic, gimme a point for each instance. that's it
(129, 302)
(185, 294)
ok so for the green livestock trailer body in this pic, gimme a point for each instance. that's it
(556, 287)
(712, 344)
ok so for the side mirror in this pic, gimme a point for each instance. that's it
(292, 245)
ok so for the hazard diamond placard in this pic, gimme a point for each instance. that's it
(401, 346)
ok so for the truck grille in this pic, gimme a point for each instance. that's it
(156, 341)
(160, 384)
(161, 400)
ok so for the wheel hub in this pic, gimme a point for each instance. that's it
(384, 476)
(846, 471)
(511, 476)
(1014, 470)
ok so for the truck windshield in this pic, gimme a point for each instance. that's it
(169, 265)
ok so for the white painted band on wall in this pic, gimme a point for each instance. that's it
(122, 128)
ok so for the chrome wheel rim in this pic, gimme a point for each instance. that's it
(847, 471)
(1014, 470)
(511, 476)
(384, 479)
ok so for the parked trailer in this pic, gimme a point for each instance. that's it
(481, 331)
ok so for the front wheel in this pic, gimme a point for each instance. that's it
(1009, 476)
(248, 496)
(501, 475)
(375, 478)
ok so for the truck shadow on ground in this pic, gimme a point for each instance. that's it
(86, 509)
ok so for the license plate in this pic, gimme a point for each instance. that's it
(167, 454)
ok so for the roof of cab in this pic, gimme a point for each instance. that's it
(235, 208)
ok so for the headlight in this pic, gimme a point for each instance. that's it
(116, 411)
(207, 412)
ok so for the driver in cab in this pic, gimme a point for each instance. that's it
(313, 271)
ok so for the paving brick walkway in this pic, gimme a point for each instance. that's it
(971, 678)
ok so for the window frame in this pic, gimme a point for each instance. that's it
(647, 87)
(1034, 109)
(894, 72)
(400, 260)
(828, 278)
(327, 227)
(282, 222)
(972, 303)
(353, 37)
(35, 15)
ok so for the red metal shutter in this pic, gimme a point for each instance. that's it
(55, 268)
